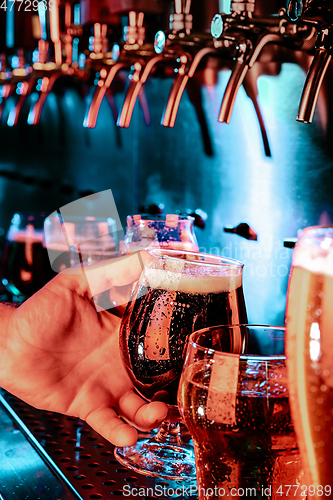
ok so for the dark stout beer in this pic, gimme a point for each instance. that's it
(166, 307)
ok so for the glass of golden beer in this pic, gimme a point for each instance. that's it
(233, 397)
(310, 355)
(177, 293)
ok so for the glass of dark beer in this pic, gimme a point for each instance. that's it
(236, 407)
(22, 258)
(163, 231)
(310, 355)
(177, 293)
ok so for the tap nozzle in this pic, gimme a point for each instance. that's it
(313, 83)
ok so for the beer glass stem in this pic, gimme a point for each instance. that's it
(169, 433)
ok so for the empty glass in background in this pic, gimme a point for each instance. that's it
(60, 235)
(22, 258)
(310, 355)
(178, 292)
(95, 252)
(236, 407)
(164, 231)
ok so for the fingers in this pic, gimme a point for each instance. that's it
(115, 272)
(107, 423)
(143, 416)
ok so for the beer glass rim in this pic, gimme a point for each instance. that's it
(75, 248)
(311, 231)
(214, 260)
(79, 219)
(246, 357)
(159, 217)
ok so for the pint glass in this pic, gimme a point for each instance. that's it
(310, 355)
(237, 410)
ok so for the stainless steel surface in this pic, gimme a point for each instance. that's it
(23, 474)
(79, 456)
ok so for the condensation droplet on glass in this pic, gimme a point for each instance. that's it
(318, 312)
(317, 428)
(323, 388)
(320, 401)
(313, 388)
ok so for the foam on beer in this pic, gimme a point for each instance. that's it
(208, 282)
(316, 259)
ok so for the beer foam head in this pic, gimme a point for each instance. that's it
(315, 254)
(177, 279)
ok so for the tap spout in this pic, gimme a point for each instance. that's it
(26, 89)
(186, 71)
(235, 81)
(47, 86)
(139, 77)
(238, 74)
(312, 85)
(6, 91)
(92, 113)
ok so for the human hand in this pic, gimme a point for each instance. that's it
(62, 355)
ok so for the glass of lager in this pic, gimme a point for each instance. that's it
(178, 292)
(310, 355)
(233, 396)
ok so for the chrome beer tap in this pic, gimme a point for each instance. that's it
(63, 65)
(320, 13)
(145, 61)
(7, 86)
(132, 51)
(246, 36)
(28, 83)
(186, 50)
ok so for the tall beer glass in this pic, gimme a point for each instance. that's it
(236, 407)
(310, 354)
(177, 293)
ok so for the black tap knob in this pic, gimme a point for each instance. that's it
(243, 229)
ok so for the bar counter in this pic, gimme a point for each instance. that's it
(48, 456)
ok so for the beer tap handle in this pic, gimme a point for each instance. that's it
(102, 86)
(26, 89)
(238, 74)
(139, 77)
(235, 81)
(243, 229)
(7, 90)
(312, 85)
(55, 32)
(47, 85)
(187, 69)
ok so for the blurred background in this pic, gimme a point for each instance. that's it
(84, 87)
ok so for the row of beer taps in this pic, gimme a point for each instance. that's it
(68, 49)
